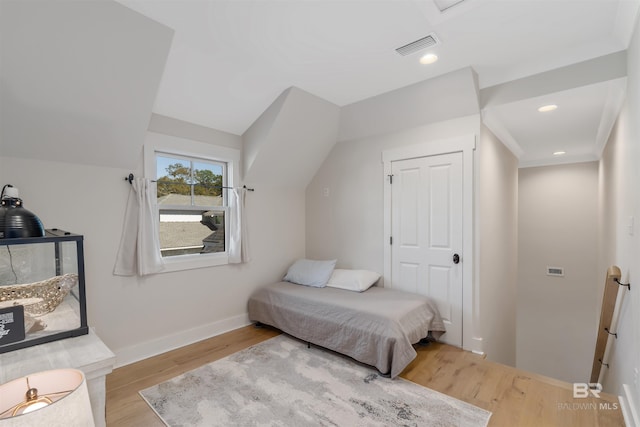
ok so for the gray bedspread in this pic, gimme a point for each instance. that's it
(376, 327)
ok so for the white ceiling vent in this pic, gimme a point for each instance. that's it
(417, 45)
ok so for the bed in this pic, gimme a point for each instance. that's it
(376, 327)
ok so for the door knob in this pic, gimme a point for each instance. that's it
(456, 258)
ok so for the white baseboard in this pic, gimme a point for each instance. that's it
(144, 350)
(475, 346)
(629, 409)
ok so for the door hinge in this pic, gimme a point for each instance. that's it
(390, 179)
(391, 240)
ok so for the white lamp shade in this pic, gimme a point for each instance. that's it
(71, 410)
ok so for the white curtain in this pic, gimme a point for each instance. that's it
(238, 242)
(139, 251)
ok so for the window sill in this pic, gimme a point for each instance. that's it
(190, 262)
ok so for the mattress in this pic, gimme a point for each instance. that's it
(376, 327)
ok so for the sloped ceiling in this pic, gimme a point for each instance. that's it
(78, 80)
(442, 98)
(230, 59)
(290, 140)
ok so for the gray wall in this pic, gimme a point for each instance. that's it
(497, 247)
(557, 227)
(620, 206)
(139, 317)
(344, 201)
(344, 219)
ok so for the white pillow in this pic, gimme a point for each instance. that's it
(353, 280)
(310, 272)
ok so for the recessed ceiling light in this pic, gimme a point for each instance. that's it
(547, 108)
(559, 153)
(429, 58)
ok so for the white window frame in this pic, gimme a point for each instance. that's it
(172, 145)
(197, 208)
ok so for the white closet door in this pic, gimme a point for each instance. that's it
(426, 225)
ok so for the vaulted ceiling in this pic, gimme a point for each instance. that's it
(230, 59)
(78, 80)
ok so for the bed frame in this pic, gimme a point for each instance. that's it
(377, 327)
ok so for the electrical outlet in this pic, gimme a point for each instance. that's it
(325, 191)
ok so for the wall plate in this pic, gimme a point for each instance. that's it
(555, 271)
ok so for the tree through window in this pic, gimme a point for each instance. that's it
(192, 205)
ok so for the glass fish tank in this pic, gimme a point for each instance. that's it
(42, 289)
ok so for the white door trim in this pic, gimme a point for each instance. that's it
(465, 144)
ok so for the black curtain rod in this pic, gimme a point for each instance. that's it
(130, 178)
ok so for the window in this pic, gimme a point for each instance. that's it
(192, 203)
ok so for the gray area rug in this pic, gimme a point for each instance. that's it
(281, 382)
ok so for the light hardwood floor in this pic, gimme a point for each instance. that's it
(515, 397)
